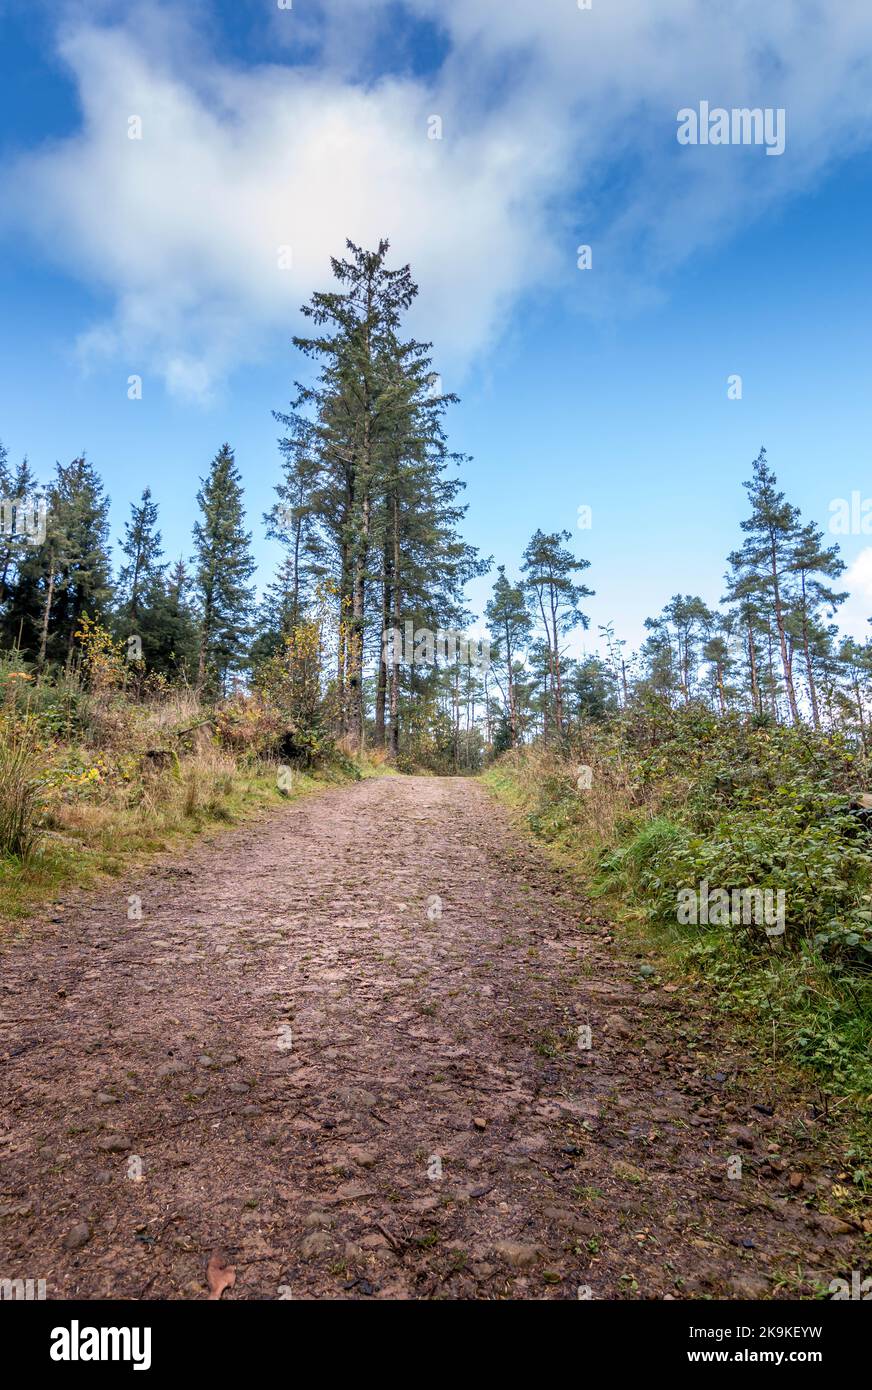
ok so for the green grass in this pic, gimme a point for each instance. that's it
(792, 1009)
(111, 839)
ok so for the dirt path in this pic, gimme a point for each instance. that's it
(292, 1044)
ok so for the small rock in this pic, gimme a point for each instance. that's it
(795, 1181)
(362, 1156)
(517, 1255)
(113, 1143)
(742, 1135)
(479, 1122)
(618, 1025)
(77, 1236)
(315, 1244)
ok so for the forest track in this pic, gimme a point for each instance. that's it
(278, 1060)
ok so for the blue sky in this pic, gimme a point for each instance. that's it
(605, 387)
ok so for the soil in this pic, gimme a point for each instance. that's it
(344, 1047)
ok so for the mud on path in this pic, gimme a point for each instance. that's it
(281, 1057)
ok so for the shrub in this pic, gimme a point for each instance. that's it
(21, 787)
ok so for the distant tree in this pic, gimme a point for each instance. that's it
(142, 547)
(593, 690)
(18, 573)
(224, 566)
(72, 568)
(509, 623)
(168, 624)
(550, 569)
(764, 562)
(814, 563)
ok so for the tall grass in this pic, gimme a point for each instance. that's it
(21, 788)
(699, 798)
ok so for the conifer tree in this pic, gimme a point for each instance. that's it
(224, 567)
(509, 623)
(550, 567)
(142, 547)
(814, 564)
(168, 625)
(765, 559)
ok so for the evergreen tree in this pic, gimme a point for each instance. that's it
(764, 562)
(814, 563)
(356, 399)
(142, 547)
(509, 623)
(71, 570)
(168, 624)
(593, 690)
(224, 567)
(17, 553)
(550, 567)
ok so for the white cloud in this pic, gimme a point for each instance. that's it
(182, 228)
(854, 615)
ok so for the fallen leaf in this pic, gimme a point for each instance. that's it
(219, 1275)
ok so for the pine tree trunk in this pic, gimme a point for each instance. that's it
(782, 639)
(756, 697)
(394, 734)
(557, 672)
(513, 715)
(860, 715)
(812, 691)
(342, 648)
(721, 695)
(381, 687)
(43, 636)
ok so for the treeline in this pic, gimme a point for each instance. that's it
(368, 513)
(772, 649)
(189, 620)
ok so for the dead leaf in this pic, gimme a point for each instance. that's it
(219, 1275)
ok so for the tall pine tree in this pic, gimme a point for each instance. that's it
(224, 565)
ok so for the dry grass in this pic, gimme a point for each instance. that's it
(21, 788)
(545, 784)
